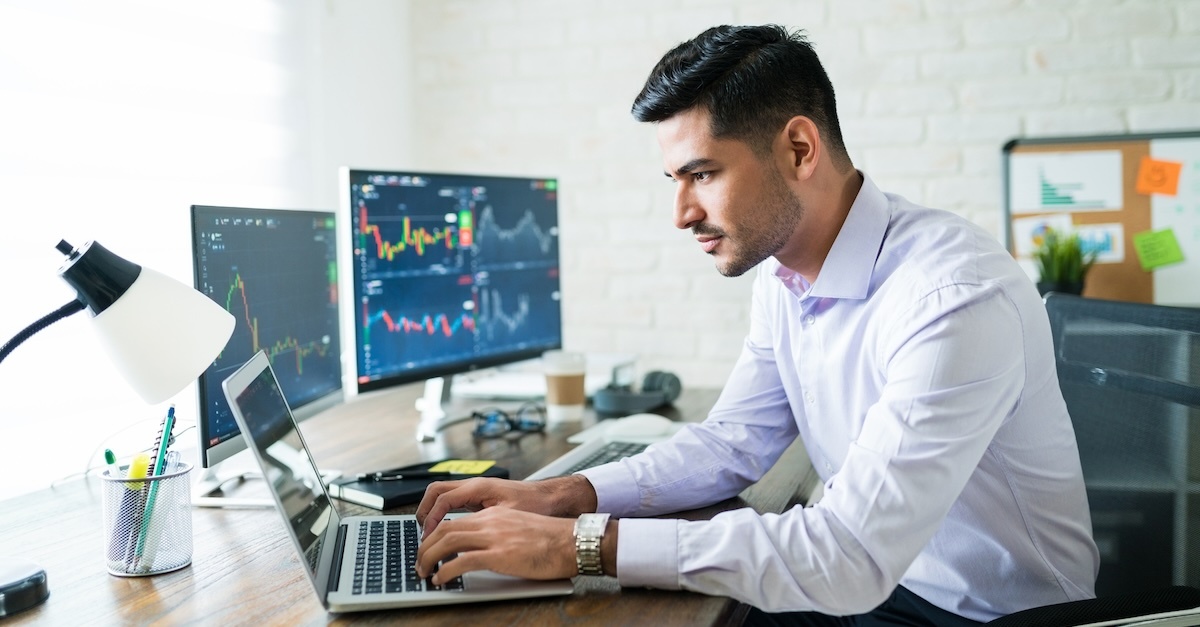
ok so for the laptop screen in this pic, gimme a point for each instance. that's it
(289, 470)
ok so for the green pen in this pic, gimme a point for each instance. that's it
(160, 461)
(111, 460)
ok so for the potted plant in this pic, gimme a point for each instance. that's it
(1062, 263)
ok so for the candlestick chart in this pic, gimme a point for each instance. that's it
(451, 271)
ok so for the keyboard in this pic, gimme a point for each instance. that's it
(385, 559)
(611, 452)
(588, 455)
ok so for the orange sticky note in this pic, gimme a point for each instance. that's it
(1158, 177)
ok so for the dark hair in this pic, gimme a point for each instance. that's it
(751, 79)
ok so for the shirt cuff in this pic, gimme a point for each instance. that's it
(648, 553)
(614, 494)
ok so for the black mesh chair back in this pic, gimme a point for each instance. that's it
(1130, 374)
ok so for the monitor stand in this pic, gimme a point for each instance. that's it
(437, 410)
(211, 488)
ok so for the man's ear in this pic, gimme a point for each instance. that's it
(801, 147)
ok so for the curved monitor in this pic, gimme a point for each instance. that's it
(275, 270)
(449, 272)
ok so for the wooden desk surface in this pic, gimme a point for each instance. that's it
(245, 571)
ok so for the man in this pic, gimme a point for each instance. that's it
(902, 344)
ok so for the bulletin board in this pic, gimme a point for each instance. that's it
(1134, 199)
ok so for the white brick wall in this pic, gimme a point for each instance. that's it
(928, 90)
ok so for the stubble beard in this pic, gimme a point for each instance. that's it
(771, 228)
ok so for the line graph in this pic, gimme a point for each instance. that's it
(522, 242)
(299, 348)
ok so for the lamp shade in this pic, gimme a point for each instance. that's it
(160, 333)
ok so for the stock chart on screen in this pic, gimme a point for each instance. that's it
(451, 272)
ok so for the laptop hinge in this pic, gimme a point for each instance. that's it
(335, 569)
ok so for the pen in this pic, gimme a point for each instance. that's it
(130, 514)
(131, 501)
(111, 459)
(400, 476)
(160, 462)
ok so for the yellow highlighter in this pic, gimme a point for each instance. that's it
(138, 468)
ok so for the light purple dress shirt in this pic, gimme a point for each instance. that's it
(919, 371)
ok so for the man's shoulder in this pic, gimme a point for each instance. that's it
(929, 249)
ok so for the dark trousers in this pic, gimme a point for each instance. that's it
(902, 608)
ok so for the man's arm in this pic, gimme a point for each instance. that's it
(560, 496)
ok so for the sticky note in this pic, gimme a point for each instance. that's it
(1157, 248)
(463, 466)
(1158, 177)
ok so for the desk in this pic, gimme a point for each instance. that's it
(245, 571)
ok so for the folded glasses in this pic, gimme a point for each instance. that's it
(493, 422)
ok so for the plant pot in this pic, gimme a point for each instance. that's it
(1065, 287)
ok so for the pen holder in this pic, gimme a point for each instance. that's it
(147, 522)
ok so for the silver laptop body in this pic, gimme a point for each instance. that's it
(326, 541)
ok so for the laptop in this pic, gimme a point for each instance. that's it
(336, 550)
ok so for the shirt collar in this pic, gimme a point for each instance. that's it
(846, 272)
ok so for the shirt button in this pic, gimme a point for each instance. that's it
(828, 467)
(808, 396)
(809, 320)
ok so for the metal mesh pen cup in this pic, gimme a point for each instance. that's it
(147, 522)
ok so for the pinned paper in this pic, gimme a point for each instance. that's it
(1157, 248)
(463, 466)
(1158, 177)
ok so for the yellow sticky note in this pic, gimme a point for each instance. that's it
(1157, 248)
(463, 466)
(1158, 177)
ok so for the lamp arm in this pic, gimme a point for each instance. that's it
(73, 307)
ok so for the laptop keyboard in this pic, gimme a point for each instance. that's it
(610, 452)
(385, 560)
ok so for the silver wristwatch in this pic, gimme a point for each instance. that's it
(589, 529)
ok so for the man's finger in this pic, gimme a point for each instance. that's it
(461, 564)
(432, 492)
(453, 495)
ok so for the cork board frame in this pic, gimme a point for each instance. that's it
(1118, 280)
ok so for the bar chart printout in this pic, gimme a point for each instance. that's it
(1066, 181)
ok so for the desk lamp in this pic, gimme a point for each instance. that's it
(160, 333)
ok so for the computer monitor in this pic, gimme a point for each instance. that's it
(276, 271)
(449, 273)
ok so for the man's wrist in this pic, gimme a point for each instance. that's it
(608, 548)
(577, 496)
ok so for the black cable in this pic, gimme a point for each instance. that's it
(73, 307)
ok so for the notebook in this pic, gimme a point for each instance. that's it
(329, 545)
(387, 494)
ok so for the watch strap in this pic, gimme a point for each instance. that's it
(589, 530)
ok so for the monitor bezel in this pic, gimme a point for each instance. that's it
(350, 338)
(211, 455)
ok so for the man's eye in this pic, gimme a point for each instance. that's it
(700, 176)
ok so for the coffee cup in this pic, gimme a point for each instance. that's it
(565, 391)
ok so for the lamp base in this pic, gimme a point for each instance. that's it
(22, 585)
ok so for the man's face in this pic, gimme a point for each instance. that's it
(735, 202)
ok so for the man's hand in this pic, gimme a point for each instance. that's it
(503, 540)
(563, 496)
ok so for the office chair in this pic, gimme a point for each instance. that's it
(1130, 374)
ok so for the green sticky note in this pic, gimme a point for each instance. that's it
(1157, 248)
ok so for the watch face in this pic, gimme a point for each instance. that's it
(593, 523)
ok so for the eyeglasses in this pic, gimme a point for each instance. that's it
(493, 422)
